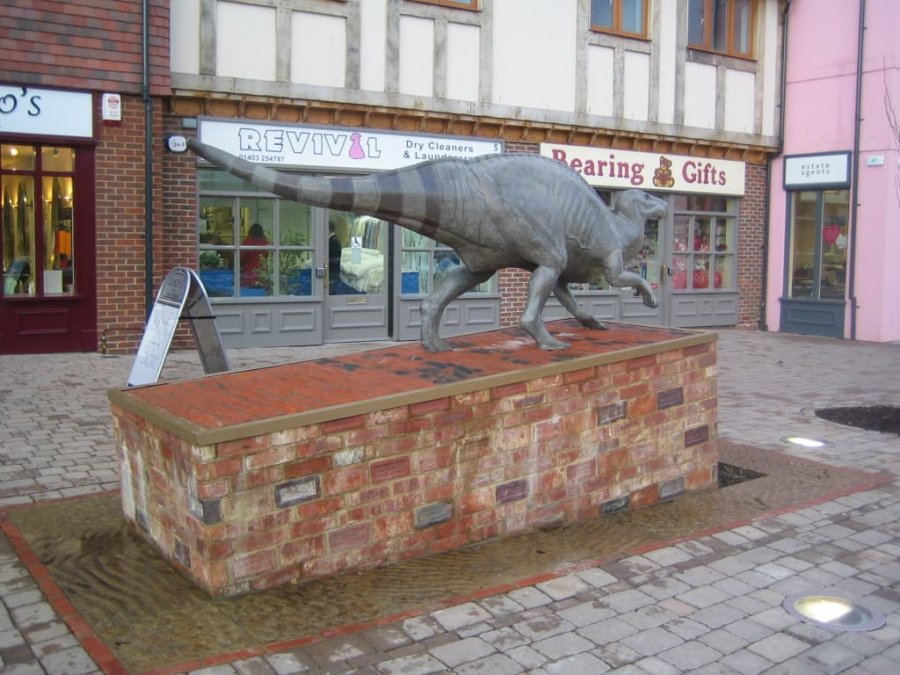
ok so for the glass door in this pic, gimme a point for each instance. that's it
(47, 249)
(816, 274)
(701, 284)
(817, 268)
(356, 292)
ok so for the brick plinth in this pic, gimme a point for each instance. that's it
(350, 463)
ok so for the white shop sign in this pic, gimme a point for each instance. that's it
(336, 147)
(804, 171)
(611, 168)
(46, 112)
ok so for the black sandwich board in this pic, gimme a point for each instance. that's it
(181, 296)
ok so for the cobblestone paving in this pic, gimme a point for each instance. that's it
(712, 604)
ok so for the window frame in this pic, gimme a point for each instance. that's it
(435, 251)
(731, 35)
(232, 252)
(43, 248)
(701, 219)
(616, 28)
(473, 6)
(824, 215)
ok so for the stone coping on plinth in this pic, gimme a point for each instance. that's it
(236, 405)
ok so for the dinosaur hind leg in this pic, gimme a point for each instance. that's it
(618, 276)
(562, 293)
(543, 281)
(456, 282)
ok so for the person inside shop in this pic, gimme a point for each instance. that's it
(63, 263)
(252, 260)
(17, 277)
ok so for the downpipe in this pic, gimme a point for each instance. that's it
(854, 184)
(148, 159)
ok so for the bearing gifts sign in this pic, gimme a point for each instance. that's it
(622, 169)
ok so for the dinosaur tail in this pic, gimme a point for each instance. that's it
(405, 196)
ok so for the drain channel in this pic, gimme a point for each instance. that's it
(729, 474)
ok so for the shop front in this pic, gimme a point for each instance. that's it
(47, 243)
(817, 239)
(281, 273)
(690, 257)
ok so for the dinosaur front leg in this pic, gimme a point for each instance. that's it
(456, 282)
(543, 281)
(617, 275)
(562, 293)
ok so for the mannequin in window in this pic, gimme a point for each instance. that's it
(251, 261)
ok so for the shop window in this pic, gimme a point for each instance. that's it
(36, 242)
(722, 26)
(704, 247)
(817, 268)
(424, 262)
(252, 246)
(622, 17)
(357, 247)
(461, 4)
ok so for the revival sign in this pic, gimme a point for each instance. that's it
(335, 147)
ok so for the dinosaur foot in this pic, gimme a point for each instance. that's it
(552, 344)
(594, 324)
(436, 345)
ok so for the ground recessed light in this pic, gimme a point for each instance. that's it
(833, 612)
(805, 442)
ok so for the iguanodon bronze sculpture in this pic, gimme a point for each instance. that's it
(495, 211)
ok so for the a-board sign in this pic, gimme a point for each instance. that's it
(181, 295)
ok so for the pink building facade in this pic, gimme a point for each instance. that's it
(834, 218)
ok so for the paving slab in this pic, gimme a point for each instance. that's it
(54, 445)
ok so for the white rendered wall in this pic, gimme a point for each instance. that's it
(372, 44)
(184, 44)
(245, 41)
(600, 81)
(739, 101)
(666, 43)
(534, 54)
(416, 56)
(700, 95)
(429, 57)
(463, 58)
(771, 48)
(637, 86)
(318, 49)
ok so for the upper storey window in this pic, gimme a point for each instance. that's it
(622, 17)
(462, 4)
(722, 26)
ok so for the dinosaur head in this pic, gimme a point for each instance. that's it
(639, 206)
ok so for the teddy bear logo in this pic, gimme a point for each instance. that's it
(662, 176)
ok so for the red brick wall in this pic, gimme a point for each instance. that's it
(513, 283)
(120, 212)
(751, 243)
(84, 44)
(179, 215)
(513, 295)
(414, 480)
